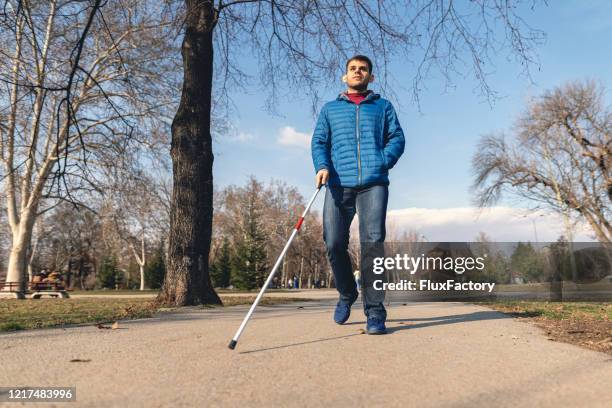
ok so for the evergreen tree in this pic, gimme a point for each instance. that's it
(155, 270)
(561, 261)
(527, 263)
(109, 275)
(250, 262)
(221, 268)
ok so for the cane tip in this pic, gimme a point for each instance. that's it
(232, 344)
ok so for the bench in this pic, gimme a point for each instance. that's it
(52, 289)
(35, 290)
(12, 290)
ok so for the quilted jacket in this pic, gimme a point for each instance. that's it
(358, 144)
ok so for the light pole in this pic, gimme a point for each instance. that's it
(533, 221)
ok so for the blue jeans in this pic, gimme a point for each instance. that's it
(341, 204)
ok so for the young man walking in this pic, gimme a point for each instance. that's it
(356, 141)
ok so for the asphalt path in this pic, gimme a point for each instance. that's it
(435, 355)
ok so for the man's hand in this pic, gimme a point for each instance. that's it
(322, 177)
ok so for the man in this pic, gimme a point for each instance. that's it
(356, 141)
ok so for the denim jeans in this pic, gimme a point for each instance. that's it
(341, 204)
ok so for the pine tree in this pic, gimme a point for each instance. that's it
(527, 263)
(155, 270)
(220, 272)
(109, 275)
(250, 263)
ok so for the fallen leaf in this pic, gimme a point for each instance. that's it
(300, 307)
(362, 331)
(101, 326)
(78, 360)
(115, 326)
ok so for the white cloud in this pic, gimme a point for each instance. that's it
(499, 223)
(288, 136)
(242, 137)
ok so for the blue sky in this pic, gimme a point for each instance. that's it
(441, 137)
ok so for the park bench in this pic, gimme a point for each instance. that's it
(53, 289)
(12, 290)
(35, 290)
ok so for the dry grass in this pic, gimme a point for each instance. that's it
(40, 313)
(586, 324)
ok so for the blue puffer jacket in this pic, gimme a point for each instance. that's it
(358, 144)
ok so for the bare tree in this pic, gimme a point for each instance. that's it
(559, 157)
(302, 45)
(84, 82)
(70, 242)
(137, 215)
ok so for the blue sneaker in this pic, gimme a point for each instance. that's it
(343, 311)
(376, 326)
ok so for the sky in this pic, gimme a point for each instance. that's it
(430, 185)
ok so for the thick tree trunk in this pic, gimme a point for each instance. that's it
(187, 280)
(17, 266)
(18, 257)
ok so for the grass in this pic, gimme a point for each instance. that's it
(11, 326)
(554, 310)
(112, 292)
(42, 313)
(543, 287)
(123, 292)
(585, 324)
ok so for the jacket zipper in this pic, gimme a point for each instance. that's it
(358, 148)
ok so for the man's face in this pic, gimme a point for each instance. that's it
(358, 75)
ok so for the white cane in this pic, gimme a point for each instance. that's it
(297, 227)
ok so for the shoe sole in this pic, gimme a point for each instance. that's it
(376, 332)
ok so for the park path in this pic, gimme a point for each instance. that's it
(436, 355)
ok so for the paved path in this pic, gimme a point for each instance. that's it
(436, 355)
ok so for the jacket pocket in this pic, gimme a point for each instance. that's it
(383, 160)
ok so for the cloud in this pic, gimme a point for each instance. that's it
(499, 223)
(242, 137)
(288, 136)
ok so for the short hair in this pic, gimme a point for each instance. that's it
(361, 58)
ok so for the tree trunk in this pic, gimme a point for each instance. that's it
(187, 281)
(284, 272)
(142, 277)
(301, 272)
(17, 266)
(18, 257)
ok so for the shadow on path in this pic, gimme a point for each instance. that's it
(426, 322)
(301, 343)
(451, 319)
